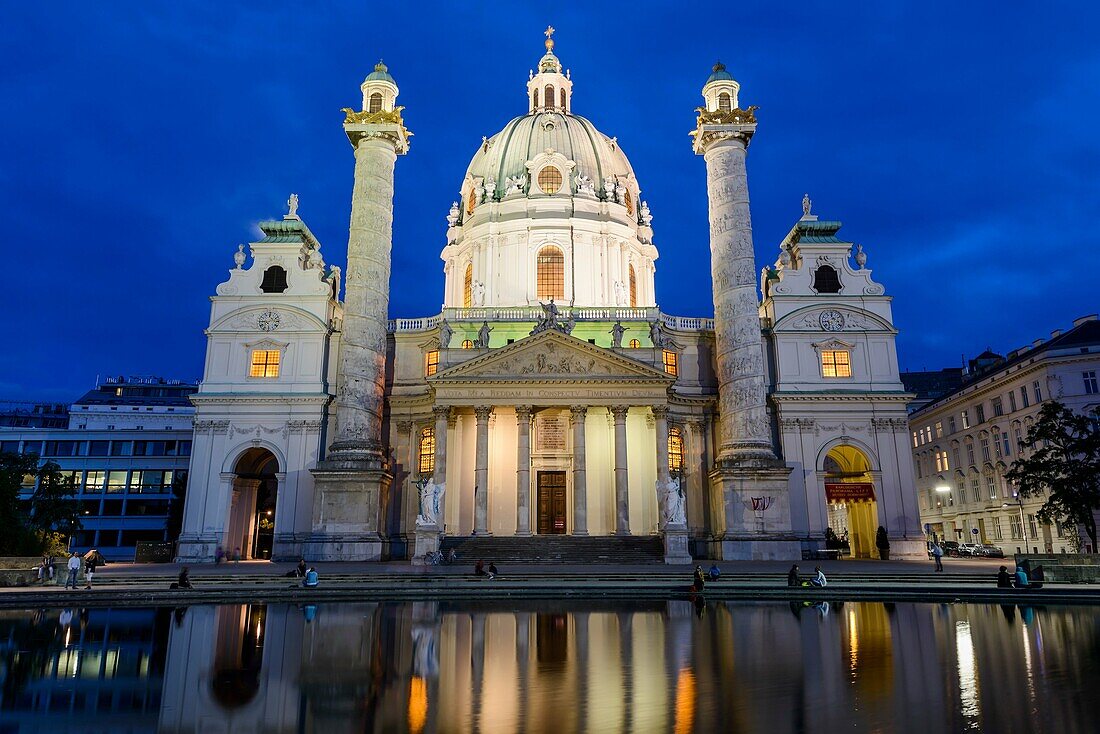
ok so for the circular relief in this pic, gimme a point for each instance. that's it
(550, 180)
(268, 321)
(831, 320)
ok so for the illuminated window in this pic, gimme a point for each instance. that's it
(431, 366)
(628, 202)
(635, 344)
(375, 103)
(675, 449)
(671, 366)
(426, 451)
(471, 201)
(467, 343)
(835, 363)
(468, 286)
(265, 363)
(548, 96)
(633, 288)
(550, 273)
(724, 102)
(561, 97)
(550, 180)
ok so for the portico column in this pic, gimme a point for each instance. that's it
(439, 467)
(523, 470)
(622, 488)
(660, 422)
(670, 497)
(481, 470)
(577, 414)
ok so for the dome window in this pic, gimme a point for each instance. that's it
(724, 102)
(535, 99)
(375, 104)
(633, 288)
(274, 280)
(550, 274)
(548, 96)
(550, 180)
(467, 343)
(471, 201)
(628, 202)
(561, 97)
(468, 287)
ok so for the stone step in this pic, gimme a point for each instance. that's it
(558, 549)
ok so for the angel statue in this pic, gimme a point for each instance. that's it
(431, 496)
(617, 332)
(292, 206)
(584, 185)
(445, 333)
(672, 503)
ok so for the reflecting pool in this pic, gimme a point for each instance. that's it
(544, 666)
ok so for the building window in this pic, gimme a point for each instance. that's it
(471, 200)
(724, 104)
(979, 413)
(966, 420)
(835, 363)
(1090, 382)
(914, 439)
(633, 286)
(1005, 444)
(670, 361)
(535, 98)
(920, 468)
(998, 408)
(635, 344)
(431, 365)
(265, 363)
(1033, 529)
(955, 455)
(960, 489)
(1024, 398)
(1018, 434)
(274, 280)
(425, 463)
(1037, 391)
(984, 439)
(675, 449)
(468, 286)
(561, 98)
(1011, 402)
(95, 481)
(116, 481)
(997, 532)
(939, 429)
(550, 273)
(951, 425)
(826, 280)
(467, 344)
(550, 180)
(975, 489)
(548, 96)
(628, 202)
(1017, 530)
(991, 485)
(375, 103)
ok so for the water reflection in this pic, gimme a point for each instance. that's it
(552, 666)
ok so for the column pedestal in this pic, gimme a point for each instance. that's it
(757, 506)
(347, 513)
(428, 539)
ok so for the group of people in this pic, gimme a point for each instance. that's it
(491, 571)
(699, 579)
(794, 579)
(91, 563)
(1020, 579)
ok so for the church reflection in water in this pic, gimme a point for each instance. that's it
(662, 666)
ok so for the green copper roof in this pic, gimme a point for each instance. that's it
(380, 74)
(287, 231)
(719, 73)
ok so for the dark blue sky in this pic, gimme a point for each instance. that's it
(141, 142)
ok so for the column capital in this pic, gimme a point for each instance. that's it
(482, 412)
(715, 126)
(384, 125)
(577, 412)
(404, 426)
(524, 412)
(619, 411)
(659, 411)
(441, 411)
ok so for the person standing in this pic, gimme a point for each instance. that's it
(89, 570)
(937, 556)
(74, 568)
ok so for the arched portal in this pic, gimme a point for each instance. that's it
(238, 655)
(251, 529)
(850, 498)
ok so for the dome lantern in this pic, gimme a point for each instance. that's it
(379, 90)
(720, 91)
(549, 90)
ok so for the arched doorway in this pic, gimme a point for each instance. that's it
(850, 499)
(241, 630)
(251, 530)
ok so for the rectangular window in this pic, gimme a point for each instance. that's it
(835, 363)
(121, 448)
(426, 452)
(955, 455)
(939, 429)
(1018, 434)
(1011, 401)
(985, 448)
(997, 446)
(670, 362)
(99, 448)
(914, 439)
(1038, 393)
(960, 489)
(1023, 397)
(998, 407)
(95, 481)
(431, 364)
(116, 481)
(265, 363)
(1032, 528)
(975, 489)
(147, 481)
(991, 485)
(997, 533)
(1005, 444)
(979, 413)
(966, 419)
(951, 425)
(920, 470)
(1090, 382)
(970, 453)
(1017, 530)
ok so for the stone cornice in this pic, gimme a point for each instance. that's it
(842, 397)
(218, 398)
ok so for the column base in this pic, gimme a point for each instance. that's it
(756, 493)
(199, 548)
(427, 541)
(676, 547)
(908, 549)
(757, 548)
(347, 511)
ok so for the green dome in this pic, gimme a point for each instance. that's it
(719, 74)
(380, 74)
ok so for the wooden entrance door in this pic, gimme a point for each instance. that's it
(551, 502)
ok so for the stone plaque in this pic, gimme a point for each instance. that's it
(550, 432)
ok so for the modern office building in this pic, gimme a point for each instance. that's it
(964, 441)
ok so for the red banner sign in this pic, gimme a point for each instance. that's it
(842, 492)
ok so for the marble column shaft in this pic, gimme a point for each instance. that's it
(439, 468)
(745, 427)
(660, 423)
(622, 486)
(577, 415)
(523, 470)
(481, 471)
(361, 376)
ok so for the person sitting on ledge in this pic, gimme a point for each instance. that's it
(714, 572)
(792, 577)
(493, 570)
(1020, 580)
(699, 582)
(479, 568)
(818, 580)
(310, 580)
(1004, 578)
(185, 578)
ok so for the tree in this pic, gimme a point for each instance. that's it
(52, 506)
(1062, 458)
(13, 532)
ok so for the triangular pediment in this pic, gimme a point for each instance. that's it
(553, 356)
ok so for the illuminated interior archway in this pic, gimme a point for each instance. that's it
(852, 509)
(251, 530)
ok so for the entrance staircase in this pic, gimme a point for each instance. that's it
(606, 549)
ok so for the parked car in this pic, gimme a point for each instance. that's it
(970, 549)
(991, 551)
(950, 548)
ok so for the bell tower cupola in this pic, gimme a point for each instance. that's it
(548, 89)
(379, 90)
(720, 91)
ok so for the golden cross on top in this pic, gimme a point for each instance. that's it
(549, 31)
(549, 41)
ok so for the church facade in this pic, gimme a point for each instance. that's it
(551, 396)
